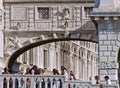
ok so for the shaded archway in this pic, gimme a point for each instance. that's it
(88, 32)
(17, 53)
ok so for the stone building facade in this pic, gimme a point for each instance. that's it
(25, 17)
(107, 19)
(2, 59)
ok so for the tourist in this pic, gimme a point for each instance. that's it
(72, 76)
(56, 83)
(34, 70)
(6, 71)
(97, 79)
(108, 81)
(64, 72)
(27, 71)
(55, 72)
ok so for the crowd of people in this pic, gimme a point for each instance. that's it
(39, 71)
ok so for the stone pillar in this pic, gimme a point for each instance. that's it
(52, 57)
(107, 19)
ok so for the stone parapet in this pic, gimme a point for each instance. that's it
(56, 1)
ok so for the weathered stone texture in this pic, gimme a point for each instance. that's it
(103, 37)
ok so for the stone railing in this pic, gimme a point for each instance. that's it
(85, 84)
(37, 81)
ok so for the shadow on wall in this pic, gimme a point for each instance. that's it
(97, 3)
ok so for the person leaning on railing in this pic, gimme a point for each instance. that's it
(72, 76)
(6, 71)
(97, 79)
(64, 72)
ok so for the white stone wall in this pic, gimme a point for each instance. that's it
(78, 56)
(109, 4)
(1, 43)
(108, 52)
(27, 16)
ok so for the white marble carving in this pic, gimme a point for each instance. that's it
(12, 43)
(17, 26)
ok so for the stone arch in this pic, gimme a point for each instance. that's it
(88, 32)
(18, 52)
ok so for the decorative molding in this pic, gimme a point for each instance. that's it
(108, 65)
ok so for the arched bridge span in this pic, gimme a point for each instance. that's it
(81, 34)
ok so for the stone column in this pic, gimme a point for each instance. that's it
(107, 19)
(52, 57)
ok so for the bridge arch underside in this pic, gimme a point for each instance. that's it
(18, 52)
(88, 32)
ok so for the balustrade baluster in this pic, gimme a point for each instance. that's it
(13, 82)
(19, 82)
(45, 84)
(25, 79)
(7, 82)
(32, 84)
(1, 82)
(51, 83)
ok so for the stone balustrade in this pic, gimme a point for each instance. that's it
(38, 81)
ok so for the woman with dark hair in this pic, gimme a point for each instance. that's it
(55, 72)
(97, 79)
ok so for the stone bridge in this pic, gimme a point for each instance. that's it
(87, 32)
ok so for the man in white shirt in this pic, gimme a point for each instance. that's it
(108, 81)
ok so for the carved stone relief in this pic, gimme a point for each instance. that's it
(12, 43)
(64, 14)
(17, 26)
